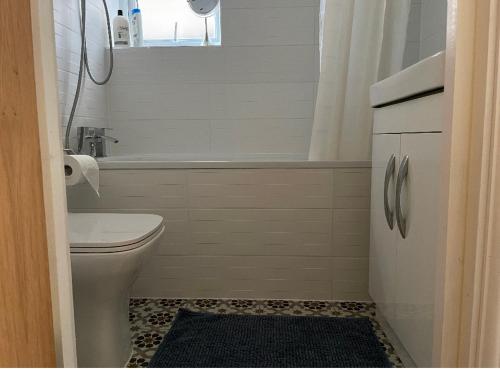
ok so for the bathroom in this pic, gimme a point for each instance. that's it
(260, 183)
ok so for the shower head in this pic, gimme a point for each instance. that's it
(203, 8)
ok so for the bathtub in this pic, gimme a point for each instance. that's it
(257, 227)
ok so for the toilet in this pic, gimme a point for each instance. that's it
(107, 252)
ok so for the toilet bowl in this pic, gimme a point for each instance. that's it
(107, 252)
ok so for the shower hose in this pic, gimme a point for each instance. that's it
(84, 65)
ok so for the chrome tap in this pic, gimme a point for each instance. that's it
(96, 140)
(115, 140)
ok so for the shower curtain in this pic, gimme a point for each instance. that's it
(361, 42)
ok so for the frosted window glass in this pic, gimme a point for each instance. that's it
(160, 16)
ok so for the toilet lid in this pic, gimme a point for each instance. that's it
(103, 232)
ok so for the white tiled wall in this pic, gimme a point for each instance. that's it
(248, 233)
(92, 108)
(426, 30)
(255, 94)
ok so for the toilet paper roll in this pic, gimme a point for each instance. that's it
(81, 169)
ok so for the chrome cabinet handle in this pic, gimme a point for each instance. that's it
(389, 172)
(402, 175)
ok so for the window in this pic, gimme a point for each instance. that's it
(173, 23)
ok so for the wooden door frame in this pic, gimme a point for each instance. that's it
(54, 186)
(35, 294)
(466, 298)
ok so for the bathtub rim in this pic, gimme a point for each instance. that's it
(110, 164)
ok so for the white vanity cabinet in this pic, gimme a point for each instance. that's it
(404, 219)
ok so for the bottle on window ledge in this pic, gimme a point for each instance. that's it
(121, 30)
(136, 20)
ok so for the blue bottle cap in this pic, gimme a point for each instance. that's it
(136, 10)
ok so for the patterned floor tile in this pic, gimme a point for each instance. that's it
(151, 319)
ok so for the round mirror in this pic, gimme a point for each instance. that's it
(203, 7)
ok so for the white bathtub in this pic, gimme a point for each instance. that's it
(252, 227)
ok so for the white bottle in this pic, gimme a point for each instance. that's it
(136, 27)
(121, 30)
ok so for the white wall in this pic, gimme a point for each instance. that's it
(426, 33)
(255, 94)
(247, 233)
(92, 108)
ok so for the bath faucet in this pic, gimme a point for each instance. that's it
(115, 140)
(97, 145)
(96, 141)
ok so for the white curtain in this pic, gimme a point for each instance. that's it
(361, 42)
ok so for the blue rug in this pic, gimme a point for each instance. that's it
(203, 340)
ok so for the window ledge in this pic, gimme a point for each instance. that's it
(123, 49)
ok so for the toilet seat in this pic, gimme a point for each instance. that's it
(111, 233)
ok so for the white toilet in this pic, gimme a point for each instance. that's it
(107, 251)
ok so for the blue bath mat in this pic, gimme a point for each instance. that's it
(202, 340)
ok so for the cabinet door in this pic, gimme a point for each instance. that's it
(383, 239)
(417, 252)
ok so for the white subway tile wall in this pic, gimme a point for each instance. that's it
(92, 108)
(247, 233)
(255, 94)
